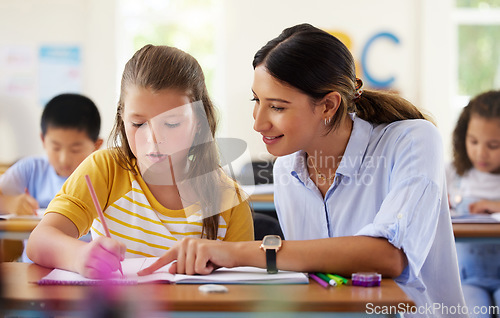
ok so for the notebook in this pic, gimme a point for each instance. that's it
(130, 267)
(476, 218)
(38, 216)
(19, 217)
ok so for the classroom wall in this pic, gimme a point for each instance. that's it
(421, 26)
(26, 25)
(250, 24)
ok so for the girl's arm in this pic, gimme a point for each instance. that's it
(485, 206)
(53, 243)
(341, 255)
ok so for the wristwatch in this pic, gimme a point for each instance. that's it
(271, 244)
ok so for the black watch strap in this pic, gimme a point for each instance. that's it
(271, 261)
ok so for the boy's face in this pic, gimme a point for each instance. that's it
(67, 147)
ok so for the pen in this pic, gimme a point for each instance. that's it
(333, 277)
(331, 282)
(318, 280)
(99, 211)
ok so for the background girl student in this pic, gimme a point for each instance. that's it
(473, 180)
(161, 181)
(359, 183)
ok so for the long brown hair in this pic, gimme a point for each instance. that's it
(162, 67)
(486, 105)
(317, 63)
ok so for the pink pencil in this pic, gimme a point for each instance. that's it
(99, 211)
(319, 280)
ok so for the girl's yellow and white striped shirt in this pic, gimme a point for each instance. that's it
(132, 213)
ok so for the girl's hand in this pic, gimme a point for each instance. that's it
(100, 257)
(485, 206)
(196, 256)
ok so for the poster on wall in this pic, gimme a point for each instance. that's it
(60, 71)
(18, 69)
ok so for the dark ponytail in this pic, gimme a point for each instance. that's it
(317, 63)
(381, 107)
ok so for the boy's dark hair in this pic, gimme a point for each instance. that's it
(72, 111)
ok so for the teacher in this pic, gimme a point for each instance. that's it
(359, 182)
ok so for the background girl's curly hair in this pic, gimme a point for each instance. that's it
(486, 105)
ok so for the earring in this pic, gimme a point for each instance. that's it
(327, 121)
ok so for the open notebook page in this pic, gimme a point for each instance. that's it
(130, 266)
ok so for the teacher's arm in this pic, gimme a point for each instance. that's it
(342, 255)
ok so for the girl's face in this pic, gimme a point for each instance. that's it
(283, 115)
(159, 125)
(482, 142)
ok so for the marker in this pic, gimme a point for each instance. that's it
(99, 212)
(333, 277)
(318, 280)
(327, 279)
(344, 280)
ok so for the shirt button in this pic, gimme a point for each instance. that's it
(400, 216)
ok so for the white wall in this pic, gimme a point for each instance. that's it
(436, 66)
(416, 62)
(250, 24)
(89, 24)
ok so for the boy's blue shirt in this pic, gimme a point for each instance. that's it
(35, 174)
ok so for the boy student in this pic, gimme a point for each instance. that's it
(70, 132)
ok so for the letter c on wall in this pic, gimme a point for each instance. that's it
(373, 81)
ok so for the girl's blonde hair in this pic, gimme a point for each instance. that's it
(486, 105)
(161, 67)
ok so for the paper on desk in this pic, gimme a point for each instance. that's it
(130, 266)
(258, 189)
(38, 216)
(20, 217)
(476, 218)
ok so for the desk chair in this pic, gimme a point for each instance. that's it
(256, 172)
(264, 224)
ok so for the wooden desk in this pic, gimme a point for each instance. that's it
(19, 294)
(477, 232)
(263, 203)
(484, 232)
(265, 198)
(17, 228)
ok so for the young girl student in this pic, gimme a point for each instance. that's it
(473, 180)
(359, 183)
(160, 183)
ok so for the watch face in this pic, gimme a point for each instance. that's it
(271, 241)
